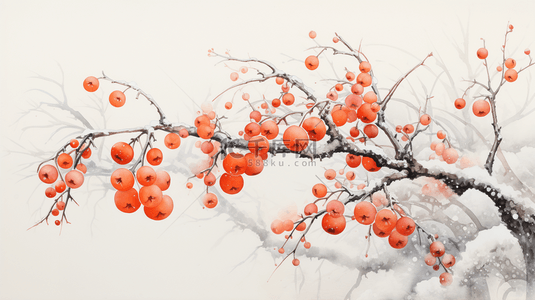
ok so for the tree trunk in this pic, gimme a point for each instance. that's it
(522, 226)
(527, 243)
(479, 289)
(519, 220)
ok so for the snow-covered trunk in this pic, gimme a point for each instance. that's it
(479, 288)
(514, 213)
(527, 243)
(522, 226)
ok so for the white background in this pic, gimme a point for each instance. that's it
(162, 46)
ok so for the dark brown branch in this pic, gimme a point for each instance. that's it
(293, 80)
(163, 119)
(396, 85)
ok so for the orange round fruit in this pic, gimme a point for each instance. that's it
(150, 196)
(234, 163)
(339, 117)
(335, 208)
(510, 63)
(332, 95)
(122, 153)
(172, 140)
(357, 89)
(48, 174)
(312, 62)
(380, 232)
(370, 97)
(460, 103)
(397, 240)
(365, 67)
(365, 113)
(160, 211)
(50, 192)
(252, 129)
(370, 165)
(425, 120)
(510, 75)
(60, 186)
(154, 156)
(315, 128)
(333, 225)
(231, 184)
(258, 145)
(437, 249)
(364, 79)
(74, 179)
(122, 179)
(448, 260)
(210, 200)
(450, 155)
(430, 259)
(353, 161)
(87, 153)
(408, 129)
(269, 129)
(445, 279)
(371, 131)
(91, 84)
(163, 180)
(365, 212)
(127, 201)
(255, 164)
(207, 147)
(117, 98)
(386, 219)
(64, 161)
(205, 131)
(310, 209)
(405, 226)
(234, 76)
(74, 143)
(146, 176)
(277, 226)
(319, 190)
(81, 167)
(482, 53)
(295, 138)
(288, 99)
(481, 108)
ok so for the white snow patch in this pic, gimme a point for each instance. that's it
(432, 289)
(496, 241)
(133, 85)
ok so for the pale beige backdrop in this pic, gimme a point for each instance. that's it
(162, 46)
